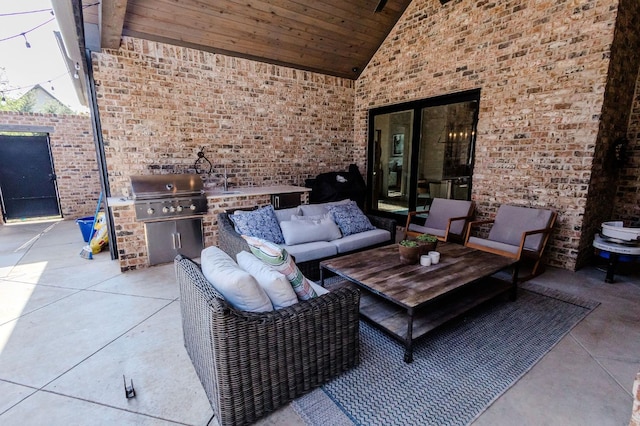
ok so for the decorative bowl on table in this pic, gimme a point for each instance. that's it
(409, 252)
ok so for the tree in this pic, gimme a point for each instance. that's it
(23, 104)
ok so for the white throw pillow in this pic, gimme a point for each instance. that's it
(285, 214)
(306, 231)
(276, 285)
(321, 208)
(236, 285)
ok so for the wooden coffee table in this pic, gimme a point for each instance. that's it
(408, 301)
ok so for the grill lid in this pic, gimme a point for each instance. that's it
(166, 186)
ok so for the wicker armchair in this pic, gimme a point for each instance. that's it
(232, 243)
(252, 363)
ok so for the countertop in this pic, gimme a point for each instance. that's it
(232, 193)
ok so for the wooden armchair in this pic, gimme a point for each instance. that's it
(516, 232)
(447, 218)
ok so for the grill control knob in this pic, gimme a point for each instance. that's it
(179, 208)
(150, 211)
(165, 210)
(192, 206)
(172, 209)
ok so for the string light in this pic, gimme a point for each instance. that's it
(77, 66)
(24, 33)
(4, 100)
(35, 84)
(26, 42)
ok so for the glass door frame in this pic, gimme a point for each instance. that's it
(417, 107)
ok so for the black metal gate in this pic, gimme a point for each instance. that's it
(27, 181)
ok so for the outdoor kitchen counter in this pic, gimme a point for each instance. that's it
(255, 190)
(231, 193)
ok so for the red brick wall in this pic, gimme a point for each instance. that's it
(542, 70)
(160, 104)
(74, 158)
(604, 201)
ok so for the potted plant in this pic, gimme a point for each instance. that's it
(427, 243)
(409, 252)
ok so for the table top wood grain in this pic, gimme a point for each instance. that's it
(379, 270)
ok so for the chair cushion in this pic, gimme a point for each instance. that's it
(361, 240)
(236, 285)
(311, 251)
(442, 210)
(350, 219)
(278, 258)
(508, 248)
(306, 231)
(274, 284)
(424, 230)
(260, 223)
(511, 221)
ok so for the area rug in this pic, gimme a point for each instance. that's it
(458, 370)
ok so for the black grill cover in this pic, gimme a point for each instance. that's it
(336, 186)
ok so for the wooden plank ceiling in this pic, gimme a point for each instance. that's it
(335, 37)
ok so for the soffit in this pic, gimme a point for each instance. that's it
(334, 37)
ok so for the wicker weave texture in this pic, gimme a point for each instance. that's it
(232, 243)
(250, 364)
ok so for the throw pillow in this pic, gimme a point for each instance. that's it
(260, 223)
(286, 214)
(321, 208)
(350, 219)
(237, 286)
(306, 231)
(281, 261)
(273, 283)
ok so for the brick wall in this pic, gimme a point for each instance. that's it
(74, 158)
(542, 70)
(627, 207)
(160, 104)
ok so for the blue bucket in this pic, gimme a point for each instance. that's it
(85, 224)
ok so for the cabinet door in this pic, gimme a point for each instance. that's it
(189, 237)
(160, 241)
(285, 201)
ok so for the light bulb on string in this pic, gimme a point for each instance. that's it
(52, 88)
(76, 75)
(26, 42)
(4, 100)
(77, 66)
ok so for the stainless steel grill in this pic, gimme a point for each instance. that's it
(158, 197)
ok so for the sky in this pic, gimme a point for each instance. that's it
(42, 63)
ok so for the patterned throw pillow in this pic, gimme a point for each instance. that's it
(281, 261)
(260, 223)
(350, 218)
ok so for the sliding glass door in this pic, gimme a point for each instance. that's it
(420, 151)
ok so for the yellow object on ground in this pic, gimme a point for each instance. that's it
(101, 237)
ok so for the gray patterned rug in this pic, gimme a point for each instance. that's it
(458, 370)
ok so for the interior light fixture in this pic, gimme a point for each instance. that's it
(26, 42)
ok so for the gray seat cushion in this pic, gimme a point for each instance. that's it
(424, 230)
(311, 251)
(512, 221)
(509, 248)
(361, 240)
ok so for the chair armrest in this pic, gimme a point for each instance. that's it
(455, 219)
(228, 239)
(386, 224)
(475, 223)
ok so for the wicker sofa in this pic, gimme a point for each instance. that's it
(232, 243)
(252, 363)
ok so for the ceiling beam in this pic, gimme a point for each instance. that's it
(111, 20)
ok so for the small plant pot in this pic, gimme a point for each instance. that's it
(409, 255)
(426, 247)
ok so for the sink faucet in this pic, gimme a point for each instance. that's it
(226, 182)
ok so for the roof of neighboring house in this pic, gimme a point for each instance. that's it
(43, 99)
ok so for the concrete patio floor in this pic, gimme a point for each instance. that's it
(70, 328)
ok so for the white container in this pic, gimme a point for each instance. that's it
(435, 257)
(617, 230)
(425, 260)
